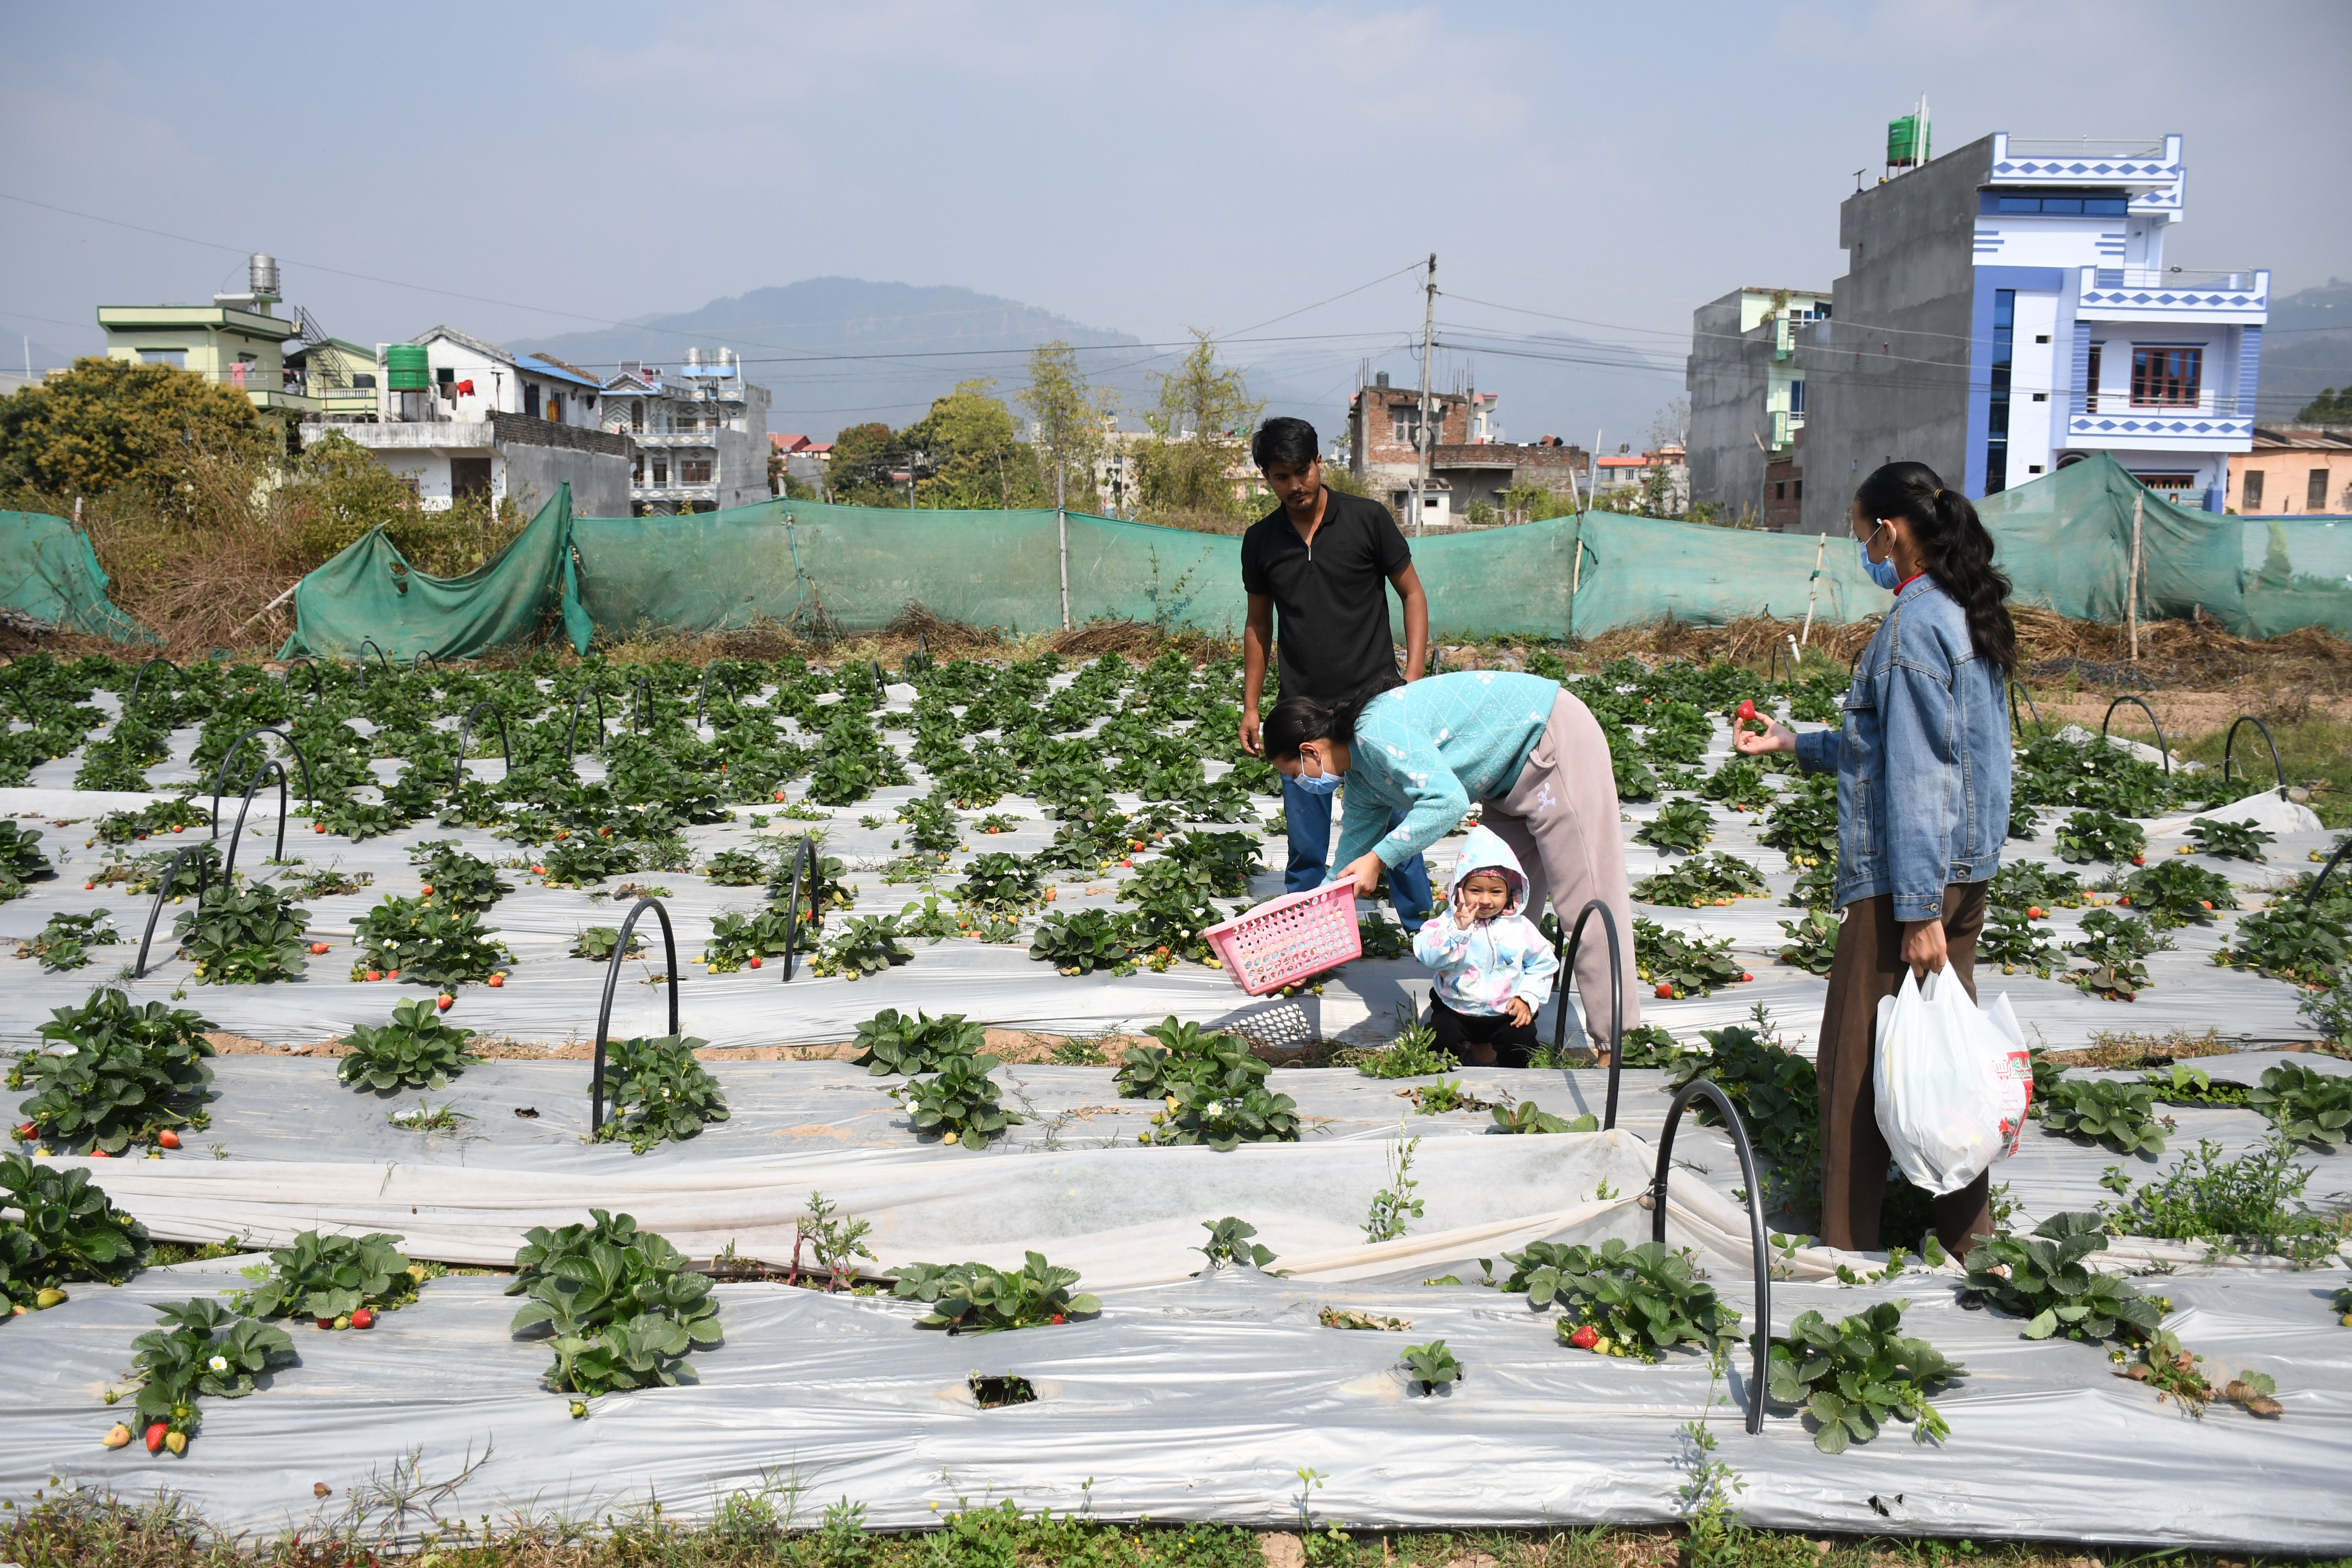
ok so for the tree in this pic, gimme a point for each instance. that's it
(1670, 427)
(1531, 502)
(1200, 428)
(977, 458)
(863, 458)
(1068, 416)
(2330, 408)
(108, 424)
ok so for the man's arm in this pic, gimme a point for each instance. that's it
(1257, 639)
(1407, 583)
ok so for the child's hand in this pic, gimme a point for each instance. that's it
(1518, 1011)
(1463, 920)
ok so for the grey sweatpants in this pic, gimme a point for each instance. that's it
(1561, 820)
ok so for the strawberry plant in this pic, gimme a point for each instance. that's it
(414, 1050)
(1803, 824)
(1776, 1093)
(1740, 785)
(2176, 893)
(327, 882)
(1852, 1375)
(1381, 938)
(2031, 885)
(659, 1093)
(2306, 1107)
(1639, 1301)
(130, 1072)
(1429, 1366)
(736, 868)
(891, 1042)
(1227, 859)
(1083, 942)
(958, 1102)
(170, 816)
(244, 936)
(865, 944)
(1650, 1046)
(2105, 1111)
(328, 1278)
(1185, 1054)
(1635, 781)
(1681, 828)
(1813, 940)
(582, 859)
(2116, 947)
(621, 1306)
(1446, 1095)
(2089, 836)
(927, 921)
(2043, 1279)
(2229, 840)
(974, 1298)
(1677, 732)
(75, 1233)
(597, 943)
(1526, 1117)
(426, 946)
(455, 879)
(1172, 908)
(202, 1350)
(736, 939)
(21, 860)
(1701, 881)
(933, 823)
(2309, 948)
(1226, 1108)
(1682, 965)
(2010, 939)
(1349, 1318)
(65, 941)
(1000, 885)
(1229, 1243)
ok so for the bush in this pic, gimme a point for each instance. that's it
(414, 1050)
(2306, 1107)
(736, 939)
(130, 1072)
(1000, 885)
(1681, 828)
(659, 1093)
(1185, 1054)
(1699, 881)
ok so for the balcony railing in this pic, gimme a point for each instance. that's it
(2085, 147)
(2112, 293)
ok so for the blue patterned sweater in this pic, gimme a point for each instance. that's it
(1432, 748)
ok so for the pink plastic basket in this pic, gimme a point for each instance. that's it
(1289, 938)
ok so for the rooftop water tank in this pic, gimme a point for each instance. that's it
(1906, 141)
(408, 367)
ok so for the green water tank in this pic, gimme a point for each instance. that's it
(409, 369)
(1906, 141)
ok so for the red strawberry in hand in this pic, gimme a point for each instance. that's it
(1585, 1337)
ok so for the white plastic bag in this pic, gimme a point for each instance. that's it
(2013, 1065)
(1938, 1083)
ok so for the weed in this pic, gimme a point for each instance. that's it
(1394, 1203)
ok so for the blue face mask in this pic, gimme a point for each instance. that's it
(1318, 783)
(1881, 572)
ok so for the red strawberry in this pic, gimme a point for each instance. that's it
(445, 1001)
(496, 981)
(318, 947)
(1665, 991)
(86, 887)
(326, 1323)
(167, 1139)
(1748, 977)
(155, 1436)
(362, 1319)
(1747, 709)
(755, 960)
(317, 827)
(426, 890)
(539, 870)
(1585, 1337)
(29, 1130)
(99, 1154)
(1057, 1317)
(2033, 911)
(375, 974)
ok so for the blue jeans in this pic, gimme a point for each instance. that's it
(1309, 816)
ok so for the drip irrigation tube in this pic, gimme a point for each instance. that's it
(2016, 691)
(1616, 998)
(203, 852)
(506, 753)
(1763, 1341)
(383, 661)
(237, 834)
(416, 666)
(220, 777)
(2319, 881)
(803, 861)
(2230, 745)
(611, 979)
(131, 700)
(572, 734)
(641, 697)
(702, 693)
(2162, 749)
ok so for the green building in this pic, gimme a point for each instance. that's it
(233, 341)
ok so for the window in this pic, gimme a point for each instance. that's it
(2164, 376)
(2078, 204)
(637, 415)
(2040, 397)
(1801, 490)
(661, 473)
(531, 398)
(2041, 337)
(1399, 429)
(694, 471)
(2004, 334)
(176, 358)
(637, 470)
(2090, 382)
(1796, 399)
(2315, 495)
(1780, 490)
(445, 374)
(2250, 492)
(2032, 468)
(2175, 484)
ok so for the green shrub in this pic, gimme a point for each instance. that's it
(1701, 881)
(1527, 1117)
(1226, 1108)
(1803, 824)
(1185, 1053)
(2104, 1110)
(1812, 942)
(456, 880)
(1000, 885)
(736, 939)
(736, 868)
(2029, 884)
(63, 944)
(130, 1072)
(414, 1050)
(2115, 947)
(659, 1093)
(2229, 840)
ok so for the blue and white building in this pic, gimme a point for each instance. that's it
(2007, 310)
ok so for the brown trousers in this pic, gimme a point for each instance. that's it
(1560, 819)
(1854, 1159)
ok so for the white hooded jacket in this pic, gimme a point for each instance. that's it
(1480, 969)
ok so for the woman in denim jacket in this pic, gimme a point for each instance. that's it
(1922, 765)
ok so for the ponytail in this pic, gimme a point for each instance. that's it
(1298, 720)
(1954, 547)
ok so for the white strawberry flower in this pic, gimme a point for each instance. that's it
(218, 1364)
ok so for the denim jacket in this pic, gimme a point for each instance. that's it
(1923, 762)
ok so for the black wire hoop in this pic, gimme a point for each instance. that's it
(642, 696)
(131, 700)
(571, 735)
(2230, 745)
(220, 777)
(612, 979)
(2162, 749)
(465, 729)
(384, 662)
(2320, 881)
(1762, 1341)
(237, 834)
(2016, 691)
(702, 693)
(203, 852)
(804, 863)
(1616, 997)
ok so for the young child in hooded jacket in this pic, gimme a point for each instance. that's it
(1493, 968)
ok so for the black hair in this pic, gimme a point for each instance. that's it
(1955, 549)
(1298, 720)
(1288, 442)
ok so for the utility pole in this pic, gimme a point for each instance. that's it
(1062, 517)
(1422, 439)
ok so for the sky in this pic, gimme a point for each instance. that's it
(1273, 174)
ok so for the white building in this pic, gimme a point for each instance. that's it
(700, 432)
(2007, 310)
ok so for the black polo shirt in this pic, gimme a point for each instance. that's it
(1330, 603)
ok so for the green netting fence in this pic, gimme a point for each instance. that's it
(2065, 539)
(49, 572)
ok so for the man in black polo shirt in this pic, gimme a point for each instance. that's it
(1324, 561)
